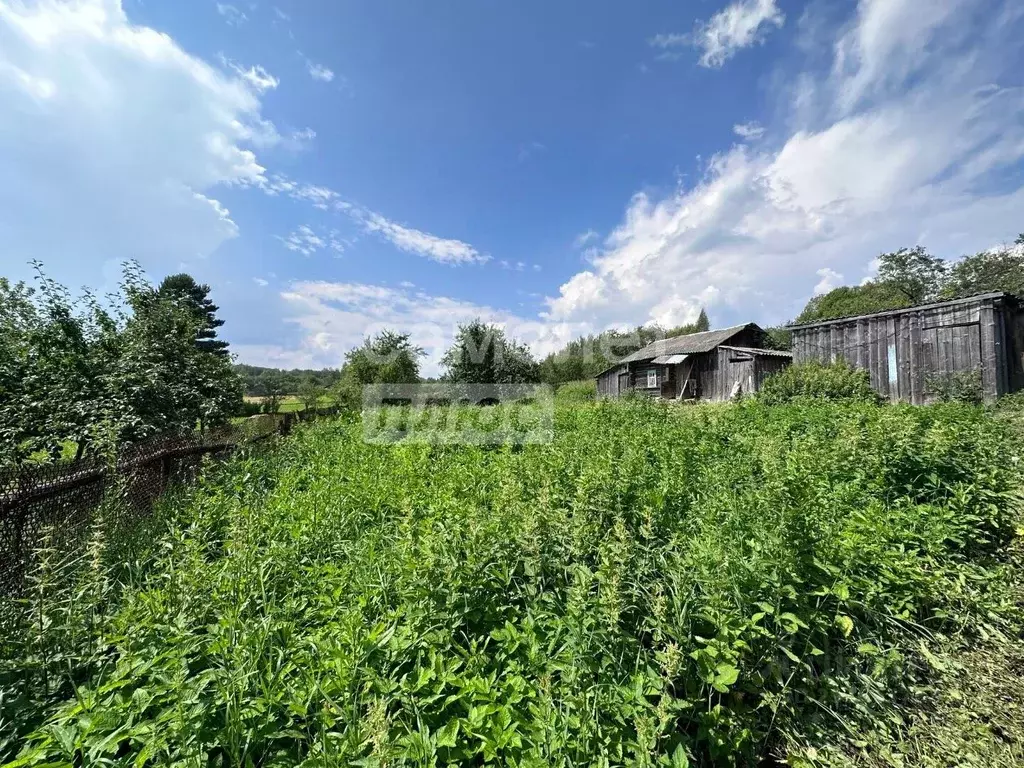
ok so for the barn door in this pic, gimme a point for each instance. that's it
(623, 383)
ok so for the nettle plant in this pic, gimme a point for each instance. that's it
(657, 587)
(956, 387)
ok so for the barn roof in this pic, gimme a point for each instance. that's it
(690, 344)
(760, 352)
(904, 310)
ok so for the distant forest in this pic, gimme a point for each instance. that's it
(263, 382)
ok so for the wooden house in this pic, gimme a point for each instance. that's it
(911, 352)
(713, 365)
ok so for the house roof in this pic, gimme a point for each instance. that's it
(760, 352)
(690, 344)
(904, 310)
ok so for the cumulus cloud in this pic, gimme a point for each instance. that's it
(928, 159)
(830, 280)
(113, 140)
(333, 317)
(738, 26)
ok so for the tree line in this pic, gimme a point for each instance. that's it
(912, 276)
(258, 381)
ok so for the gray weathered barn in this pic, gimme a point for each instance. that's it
(713, 365)
(909, 352)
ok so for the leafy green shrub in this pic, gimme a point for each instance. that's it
(838, 382)
(249, 408)
(576, 392)
(659, 586)
(958, 387)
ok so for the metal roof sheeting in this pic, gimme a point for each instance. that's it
(669, 359)
(691, 344)
(761, 352)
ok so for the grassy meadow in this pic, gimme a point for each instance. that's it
(661, 586)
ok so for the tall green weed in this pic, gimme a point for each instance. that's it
(660, 586)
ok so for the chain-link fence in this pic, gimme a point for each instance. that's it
(59, 500)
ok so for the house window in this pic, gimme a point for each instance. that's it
(652, 379)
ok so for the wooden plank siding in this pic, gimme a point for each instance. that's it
(903, 350)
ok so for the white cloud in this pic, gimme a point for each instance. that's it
(281, 14)
(260, 282)
(319, 72)
(321, 198)
(303, 240)
(830, 279)
(113, 140)
(738, 26)
(928, 160)
(889, 41)
(335, 317)
(256, 76)
(232, 14)
(441, 250)
(585, 238)
(297, 141)
(748, 131)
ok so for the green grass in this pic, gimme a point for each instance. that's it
(661, 586)
(292, 403)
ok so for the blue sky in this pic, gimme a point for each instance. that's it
(332, 168)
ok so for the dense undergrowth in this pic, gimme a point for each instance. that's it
(661, 586)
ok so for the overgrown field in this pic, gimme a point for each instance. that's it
(661, 586)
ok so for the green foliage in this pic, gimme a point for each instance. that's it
(661, 586)
(576, 392)
(267, 382)
(778, 337)
(911, 276)
(848, 301)
(388, 358)
(249, 408)
(699, 326)
(915, 273)
(587, 356)
(195, 298)
(483, 354)
(76, 371)
(987, 272)
(838, 382)
(310, 394)
(957, 387)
